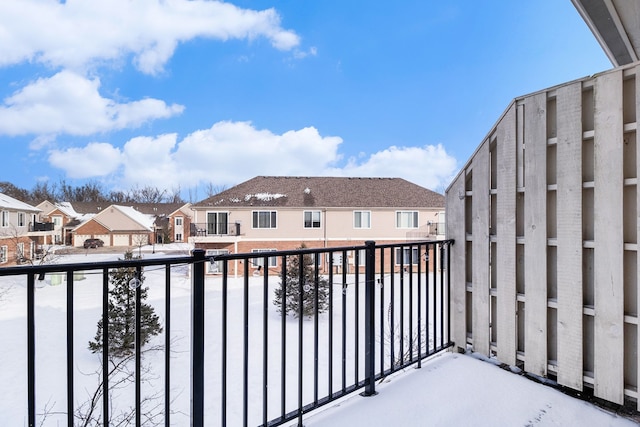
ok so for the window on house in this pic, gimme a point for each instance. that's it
(3, 254)
(20, 251)
(264, 219)
(218, 223)
(4, 219)
(179, 221)
(312, 219)
(407, 256)
(22, 219)
(215, 266)
(178, 237)
(361, 219)
(407, 219)
(259, 262)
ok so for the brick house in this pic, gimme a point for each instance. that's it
(281, 213)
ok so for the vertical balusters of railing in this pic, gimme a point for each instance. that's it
(283, 333)
(316, 315)
(369, 319)
(345, 268)
(105, 347)
(330, 329)
(449, 291)
(382, 311)
(402, 354)
(138, 345)
(265, 340)
(301, 284)
(419, 303)
(197, 338)
(225, 303)
(411, 331)
(356, 312)
(70, 381)
(434, 284)
(167, 345)
(31, 350)
(427, 300)
(391, 315)
(441, 295)
(245, 345)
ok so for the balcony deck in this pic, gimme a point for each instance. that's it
(461, 390)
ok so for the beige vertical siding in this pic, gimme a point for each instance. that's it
(545, 219)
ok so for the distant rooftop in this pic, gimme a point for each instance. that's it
(327, 192)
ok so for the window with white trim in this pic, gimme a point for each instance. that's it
(215, 266)
(312, 219)
(4, 219)
(407, 256)
(259, 262)
(178, 221)
(361, 219)
(22, 219)
(217, 223)
(265, 219)
(178, 237)
(20, 251)
(3, 254)
(407, 219)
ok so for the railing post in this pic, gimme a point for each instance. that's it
(197, 338)
(369, 320)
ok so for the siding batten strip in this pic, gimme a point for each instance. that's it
(480, 248)
(535, 234)
(609, 241)
(506, 238)
(569, 241)
(455, 219)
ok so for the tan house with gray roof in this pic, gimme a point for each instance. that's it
(278, 213)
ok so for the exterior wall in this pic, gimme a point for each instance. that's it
(12, 235)
(336, 224)
(91, 230)
(545, 221)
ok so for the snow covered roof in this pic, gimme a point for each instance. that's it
(143, 219)
(8, 202)
(67, 209)
(328, 192)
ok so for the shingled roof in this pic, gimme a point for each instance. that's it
(326, 192)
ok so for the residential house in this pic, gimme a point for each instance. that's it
(270, 213)
(179, 224)
(116, 225)
(16, 221)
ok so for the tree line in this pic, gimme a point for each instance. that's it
(95, 192)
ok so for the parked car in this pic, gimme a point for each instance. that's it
(93, 243)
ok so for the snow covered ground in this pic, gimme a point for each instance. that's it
(449, 390)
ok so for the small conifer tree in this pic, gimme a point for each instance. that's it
(122, 313)
(294, 282)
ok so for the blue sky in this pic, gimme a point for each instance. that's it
(183, 95)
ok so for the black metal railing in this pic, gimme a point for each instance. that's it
(41, 226)
(254, 361)
(215, 229)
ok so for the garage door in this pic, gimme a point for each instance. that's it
(78, 239)
(120, 240)
(105, 238)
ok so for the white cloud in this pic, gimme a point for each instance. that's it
(79, 33)
(231, 152)
(97, 159)
(429, 166)
(70, 103)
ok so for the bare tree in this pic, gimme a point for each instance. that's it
(212, 189)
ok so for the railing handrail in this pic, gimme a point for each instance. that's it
(380, 275)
